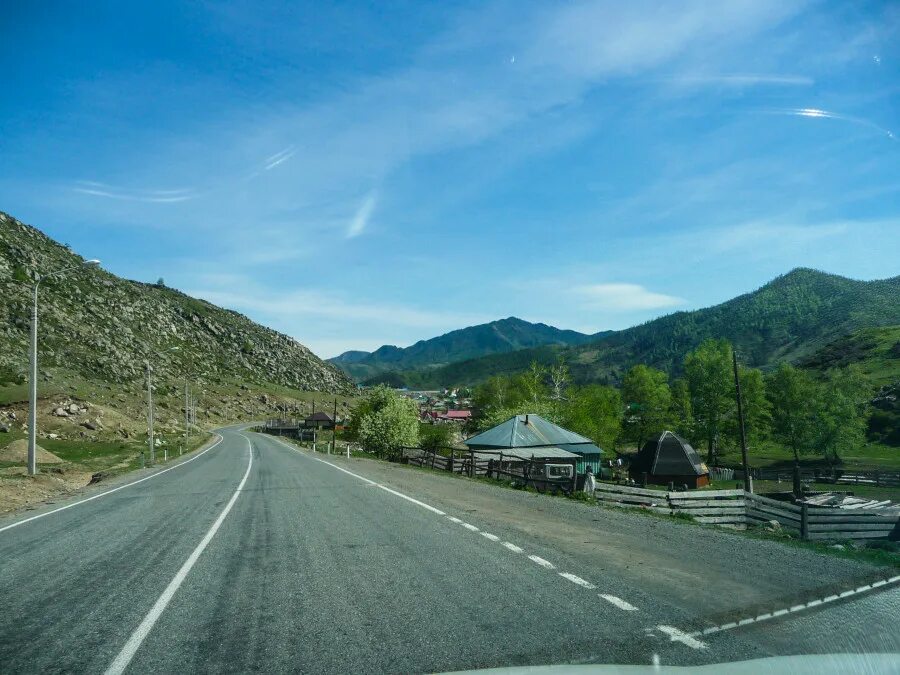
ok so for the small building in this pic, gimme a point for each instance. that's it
(668, 458)
(531, 435)
(319, 420)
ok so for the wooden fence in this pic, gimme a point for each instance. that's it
(836, 476)
(736, 507)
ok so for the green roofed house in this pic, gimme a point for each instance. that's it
(531, 435)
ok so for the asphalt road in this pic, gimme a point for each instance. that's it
(254, 556)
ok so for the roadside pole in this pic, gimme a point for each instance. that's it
(748, 486)
(186, 417)
(334, 430)
(150, 415)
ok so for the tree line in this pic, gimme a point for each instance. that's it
(807, 415)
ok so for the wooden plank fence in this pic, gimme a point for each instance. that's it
(736, 507)
(874, 477)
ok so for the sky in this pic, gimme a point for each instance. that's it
(359, 174)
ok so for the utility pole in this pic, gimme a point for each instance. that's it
(187, 417)
(334, 430)
(740, 410)
(150, 414)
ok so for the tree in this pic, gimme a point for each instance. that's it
(432, 437)
(559, 379)
(793, 397)
(708, 371)
(840, 414)
(161, 282)
(594, 411)
(532, 383)
(648, 398)
(384, 422)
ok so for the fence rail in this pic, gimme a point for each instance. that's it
(736, 507)
(836, 476)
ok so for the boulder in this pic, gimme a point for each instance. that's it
(87, 424)
(60, 412)
(74, 409)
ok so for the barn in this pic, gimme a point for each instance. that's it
(527, 435)
(669, 458)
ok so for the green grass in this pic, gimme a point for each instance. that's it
(768, 455)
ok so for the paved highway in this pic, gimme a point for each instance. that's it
(254, 556)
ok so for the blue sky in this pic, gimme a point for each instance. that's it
(356, 174)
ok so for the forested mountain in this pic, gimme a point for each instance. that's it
(496, 337)
(788, 319)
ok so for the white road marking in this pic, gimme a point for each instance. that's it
(618, 602)
(454, 519)
(366, 480)
(492, 537)
(120, 663)
(469, 526)
(676, 635)
(512, 547)
(577, 580)
(109, 492)
(798, 608)
(543, 563)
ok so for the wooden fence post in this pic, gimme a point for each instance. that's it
(450, 463)
(471, 464)
(804, 521)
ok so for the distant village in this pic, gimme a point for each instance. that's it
(445, 406)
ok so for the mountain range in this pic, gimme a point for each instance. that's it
(787, 319)
(497, 337)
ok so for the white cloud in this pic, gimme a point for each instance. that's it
(96, 189)
(362, 215)
(625, 297)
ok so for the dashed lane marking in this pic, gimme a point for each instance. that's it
(543, 563)
(686, 639)
(109, 492)
(469, 526)
(577, 580)
(492, 537)
(513, 547)
(618, 602)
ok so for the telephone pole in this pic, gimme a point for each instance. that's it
(740, 411)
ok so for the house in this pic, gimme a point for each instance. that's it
(319, 420)
(668, 458)
(531, 435)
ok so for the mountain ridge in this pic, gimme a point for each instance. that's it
(786, 319)
(495, 337)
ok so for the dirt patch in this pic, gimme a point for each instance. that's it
(18, 490)
(17, 451)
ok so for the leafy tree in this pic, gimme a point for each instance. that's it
(840, 414)
(531, 384)
(546, 409)
(708, 371)
(793, 396)
(494, 393)
(559, 379)
(594, 411)
(435, 436)
(384, 422)
(648, 399)
(161, 282)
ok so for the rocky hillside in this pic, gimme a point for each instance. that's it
(100, 327)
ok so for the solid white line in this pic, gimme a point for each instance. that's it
(109, 492)
(512, 547)
(454, 519)
(140, 634)
(577, 580)
(492, 537)
(469, 526)
(619, 602)
(676, 635)
(543, 563)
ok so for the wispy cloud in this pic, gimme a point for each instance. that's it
(361, 218)
(742, 80)
(279, 158)
(135, 195)
(827, 114)
(624, 297)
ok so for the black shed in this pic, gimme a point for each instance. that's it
(669, 458)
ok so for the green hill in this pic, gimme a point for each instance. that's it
(788, 319)
(497, 337)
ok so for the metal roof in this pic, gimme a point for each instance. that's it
(540, 452)
(526, 431)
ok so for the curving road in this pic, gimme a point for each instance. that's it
(255, 556)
